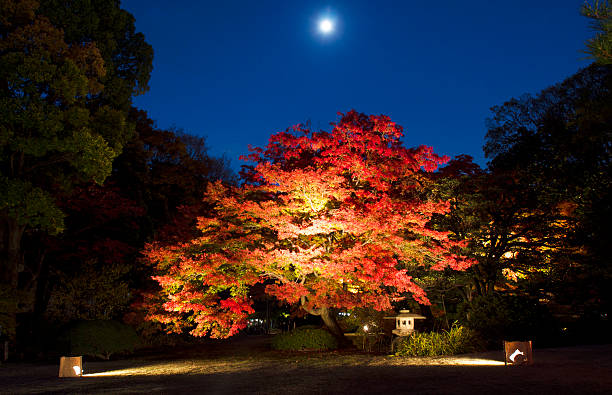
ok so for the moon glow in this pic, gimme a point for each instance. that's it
(326, 26)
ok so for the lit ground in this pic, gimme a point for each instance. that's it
(246, 365)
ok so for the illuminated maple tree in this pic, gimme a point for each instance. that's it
(327, 220)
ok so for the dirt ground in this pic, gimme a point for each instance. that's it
(247, 365)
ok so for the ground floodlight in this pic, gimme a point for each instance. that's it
(71, 367)
(518, 353)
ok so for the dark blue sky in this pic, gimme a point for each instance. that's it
(237, 71)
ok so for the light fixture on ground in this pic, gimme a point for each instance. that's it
(71, 367)
(518, 352)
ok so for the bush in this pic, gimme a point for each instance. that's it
(507, 317)
(95, 292)
(100, 338)
(459, 340)
(355, 319)
(8, 308)
(305, 339)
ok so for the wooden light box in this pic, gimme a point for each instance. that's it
(518, 352)
(71, 367)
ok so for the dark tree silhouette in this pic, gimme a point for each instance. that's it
(558, 145)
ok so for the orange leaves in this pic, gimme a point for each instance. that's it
(347, 192)
(165, 281)
(313, 186)
(334, 219)
(237, 305)
(194, 274)
(289, 292)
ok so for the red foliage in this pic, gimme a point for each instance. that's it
(334, 219)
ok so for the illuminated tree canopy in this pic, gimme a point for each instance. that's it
(329, 220)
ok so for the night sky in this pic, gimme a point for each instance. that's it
(238, 71)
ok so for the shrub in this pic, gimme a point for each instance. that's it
(9, 302)
(357, 318)
(458, 340)
(507, 317)
(95, 292)
(305, 339)
(100, 338)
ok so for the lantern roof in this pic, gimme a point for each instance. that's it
(407, 314)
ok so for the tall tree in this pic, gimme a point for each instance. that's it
(65, 90)
(558, 144)
(93, 265)
(166, 169)
(328, 220)
(107, 225)
(512, 234)
(128, 58)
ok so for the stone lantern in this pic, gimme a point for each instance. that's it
(404, 322)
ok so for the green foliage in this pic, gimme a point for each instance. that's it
(46, 139)
(600, 46)
(305, 339)
(127, 56)
(69, 69)
(458, 340)
(510, 228)
(100, 339)
(95, 291)
(12, 302)
(30, 205)
(8, 308)
(506, 317)
(358, 317)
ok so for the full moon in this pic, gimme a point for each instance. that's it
(326, 26)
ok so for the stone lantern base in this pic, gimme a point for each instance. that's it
(402, 332)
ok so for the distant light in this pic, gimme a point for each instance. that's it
(326, 26)
(77, 370)
(365, 328)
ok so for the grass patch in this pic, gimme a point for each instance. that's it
(458, 340)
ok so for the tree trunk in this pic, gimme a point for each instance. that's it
(328, 315)
(11, 260)
(329, 319)
(10, 256)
